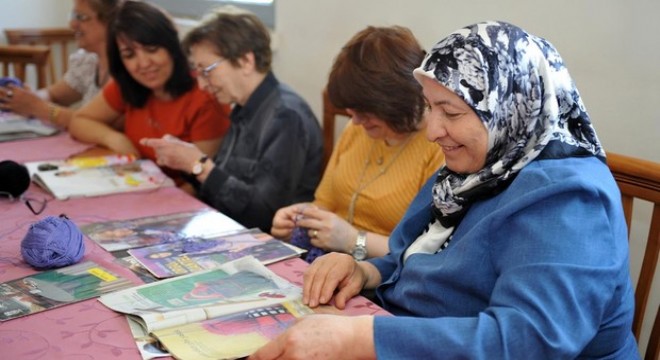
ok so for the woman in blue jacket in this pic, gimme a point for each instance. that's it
(517, 250)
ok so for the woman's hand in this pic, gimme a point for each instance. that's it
(327, 230)
(22, 101)
(285, 220)
(174, 153)
(330, 273)
(323, 337)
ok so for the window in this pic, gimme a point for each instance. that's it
(195, 9)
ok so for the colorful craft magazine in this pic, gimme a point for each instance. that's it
(53, 288)
(235, 286)
(231, 336)
(153, 230)
(17, 127)
(196, 254)
(96, 176)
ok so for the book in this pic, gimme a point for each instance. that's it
(196, 254)
(236, 286)
(58, 287)
(118, 235)
(96, 176)
(231, 336)
(17, 127)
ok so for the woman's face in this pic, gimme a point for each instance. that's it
(149, 65)
(453, 125)
(222, 80)
(375, 127)
(89, 30)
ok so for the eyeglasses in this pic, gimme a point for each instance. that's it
(205, 72)
(79, 17)
(36, 206)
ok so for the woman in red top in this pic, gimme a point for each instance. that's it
(152, 93)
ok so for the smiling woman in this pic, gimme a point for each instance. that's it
(153, 92)
(87, 69)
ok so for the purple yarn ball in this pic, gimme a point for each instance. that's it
(53, 242)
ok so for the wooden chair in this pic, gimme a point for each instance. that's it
(329, 114)
(640, 179)
(18, 57)
(57, 39)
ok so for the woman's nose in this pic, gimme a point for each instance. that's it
(435, 129)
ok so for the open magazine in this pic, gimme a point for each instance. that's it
(238, 286)
(53, 288)
(196, 254)
(17, 127)
(231, 336)
(153, 230)
(95, 176)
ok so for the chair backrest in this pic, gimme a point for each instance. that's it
(16, 58)
(653, 347)
(329, 119)
(57, 39)
(640, 179)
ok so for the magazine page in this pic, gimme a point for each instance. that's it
(54, 288)
(147, 345)
(231, 336)
(85, 177)
(196, 254)
(241, 284)
(18, 127)
(152, 230)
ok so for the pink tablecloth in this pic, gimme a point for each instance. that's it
(88, 330)
(56, 147)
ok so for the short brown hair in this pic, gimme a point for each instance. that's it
(234, 33)
(373, 74)
(104, 9)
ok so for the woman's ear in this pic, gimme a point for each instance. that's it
(246, 62)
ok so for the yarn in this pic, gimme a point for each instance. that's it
(300, 238)
(53, 242)
(14, 178)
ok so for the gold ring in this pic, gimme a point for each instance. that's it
(315, 233)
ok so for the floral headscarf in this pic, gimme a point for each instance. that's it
(520, 89)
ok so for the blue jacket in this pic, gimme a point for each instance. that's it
(539, 271)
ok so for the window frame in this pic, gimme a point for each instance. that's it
(196, 9)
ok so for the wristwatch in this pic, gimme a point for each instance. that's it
(198, 166)
(359, 252)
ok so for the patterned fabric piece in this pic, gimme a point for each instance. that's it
(519, 87)
(81, 74)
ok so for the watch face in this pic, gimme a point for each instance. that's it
(359, 253)
(197, 169)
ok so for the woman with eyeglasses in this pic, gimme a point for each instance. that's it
(272, 154)
(87, 69)
(152, 93)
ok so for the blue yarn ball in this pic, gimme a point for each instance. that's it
(53, 242)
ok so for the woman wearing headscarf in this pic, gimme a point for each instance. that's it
(517, 250)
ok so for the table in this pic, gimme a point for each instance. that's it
(89, 330)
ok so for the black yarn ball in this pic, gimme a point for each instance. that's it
(14, 178)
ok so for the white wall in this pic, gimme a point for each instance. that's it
(610, 47)
(33, 13)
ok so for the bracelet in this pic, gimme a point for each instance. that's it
(53, 112)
